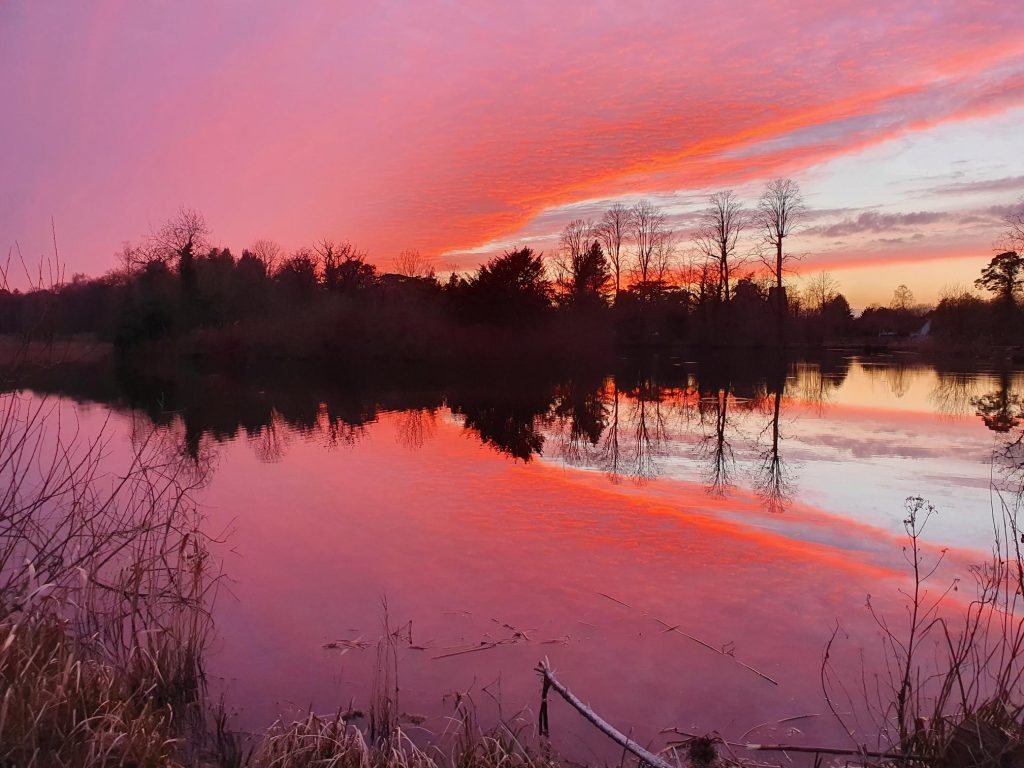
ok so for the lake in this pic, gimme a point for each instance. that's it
(680, 541)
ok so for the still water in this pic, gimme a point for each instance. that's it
(681, 546)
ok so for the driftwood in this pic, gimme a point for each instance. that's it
(544, 668)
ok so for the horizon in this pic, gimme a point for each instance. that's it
(459, 132)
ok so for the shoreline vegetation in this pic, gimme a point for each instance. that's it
(624, 285)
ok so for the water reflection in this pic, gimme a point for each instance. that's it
(727, 420)
(451, 498)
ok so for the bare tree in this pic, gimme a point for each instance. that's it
(575, 238)
(1014, 233)
(612, 231)
(132, 257)
(581, 269)
(902, 298)
(664, 257)
(779, 212)
(412, 264)
(268, 253)
(718, 236)
(696, 275)
(649, 235)
(180, 238)
(343, 267)
(820, 290)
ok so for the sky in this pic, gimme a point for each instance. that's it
(459, 129)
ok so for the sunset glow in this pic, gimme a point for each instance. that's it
(458, 129)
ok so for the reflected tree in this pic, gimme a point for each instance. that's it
(415, 426)
(714, 446)
(270, 442)
(610, 453)
(953, 393)
(581, 413)
(1003, 409)
(772, 480)
(648, 430)
(510, 422)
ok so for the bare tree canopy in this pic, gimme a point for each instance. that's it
(902, 298)
(268, 253)
(612, 231)
(575, 238)
(718, 235)
(1014, 233)
(581, 270)
(180, 238)
(821, 289)
(342, 266)
(412, 264)
(652, 242)
(779, 212)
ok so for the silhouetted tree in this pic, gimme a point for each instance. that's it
(583, 276)
(612, 230)
(180, 239)
(779, 212)
(718, 235)
(1013, 235)
(511, 286)
(962, 317)
(344, 268)
(267, 252)
(902, 298)
(411, 264)
(650, 237)
(297, 273)
(820, 289)
(1004, 276)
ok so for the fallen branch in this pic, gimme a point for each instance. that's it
(544, 668)
(827, 751)
(719, 651)
(676, 628)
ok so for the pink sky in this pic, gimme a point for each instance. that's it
(457, 129)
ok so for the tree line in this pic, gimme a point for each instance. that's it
(626, 277)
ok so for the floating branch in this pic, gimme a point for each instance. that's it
(544, 668)
(676, 628)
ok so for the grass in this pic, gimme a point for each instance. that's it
(63, 707)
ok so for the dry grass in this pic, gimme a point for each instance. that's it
(62, 708)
